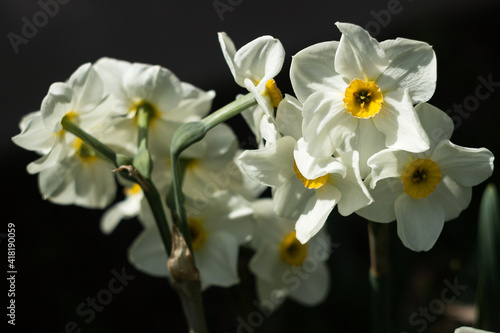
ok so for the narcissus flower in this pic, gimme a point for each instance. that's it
(254, 67)
(305, 188)
(217, 229)
(422, 191)
(169, 101)
(282, 265)
(70, 171)
(358, 94)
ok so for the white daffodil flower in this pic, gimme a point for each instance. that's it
(305, 188)
(217, 229)
(422, 191)
(171, 103)
(358, 94)
(254, 67)
(70, 171)
(282, 265)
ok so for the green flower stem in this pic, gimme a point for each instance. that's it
(144, 164)
(187, 135)
(116, 159)
(155, 203)
(378, 235)
(227, 112)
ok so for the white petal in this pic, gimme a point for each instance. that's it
(326, 123)
(388, 163)
(313, 289)
(359, 56)
(400, 124)
(266, 263)
(147, 253)
(289, 117)
(271, 165)
(290, 198)
(35, 136)
(56, 105)
(259, 60)
(88, 89)
(368, 140)
(263, 100)
(452, 197)
(58, 152)
(229, 50)
(354, 194)
(153, 84)
(467, 166)
(95, 186)
(420, 222)
(125, 209)
(311, 167)
(313, 70)
(57, 184)
(316, 212)
(111, 72)
(384, 195)
(412, 67)
(436, 123)
(195, 104)
(217, 260)
(230, 213)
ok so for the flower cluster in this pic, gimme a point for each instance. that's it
(359, 136)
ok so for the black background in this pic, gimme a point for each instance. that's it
(61, 256)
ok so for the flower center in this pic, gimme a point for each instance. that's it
(84, 151)
(198, 233)
(363, 99)
(310, 183)
(421, 178)
(150, 108)
(292, 251)
(71, 116)
(135, 189)
(274, 93)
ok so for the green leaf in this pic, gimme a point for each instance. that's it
(488, 291)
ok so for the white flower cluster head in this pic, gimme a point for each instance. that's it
(359, 135)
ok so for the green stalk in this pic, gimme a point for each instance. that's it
(104, 150)
(227, 112)
(379, 277)
(187, 135)
(144, 164)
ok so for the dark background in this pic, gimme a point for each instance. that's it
(61, 256)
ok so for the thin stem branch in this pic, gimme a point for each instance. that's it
(378, 236)
(107, 152)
